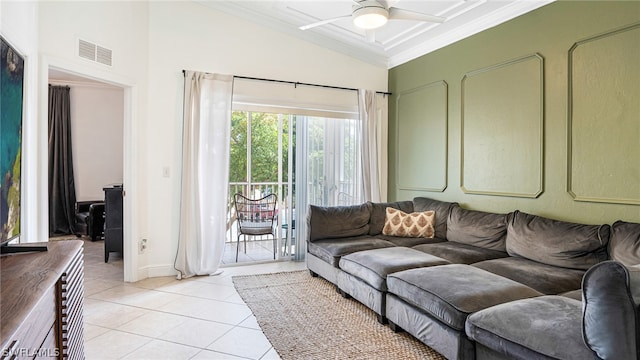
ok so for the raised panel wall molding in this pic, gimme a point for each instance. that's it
(422, 121)
(603, 162)
(502, 145)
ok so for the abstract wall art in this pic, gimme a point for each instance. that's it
(11, 110)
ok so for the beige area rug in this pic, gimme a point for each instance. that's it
(305, 318)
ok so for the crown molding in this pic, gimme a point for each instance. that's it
(486, 22)
(278, 16)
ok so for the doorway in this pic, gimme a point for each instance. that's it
(100, 120)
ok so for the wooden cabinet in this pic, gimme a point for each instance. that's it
(70, 296)
(113, 227)
(42, 303)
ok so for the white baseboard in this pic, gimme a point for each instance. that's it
(156, 271)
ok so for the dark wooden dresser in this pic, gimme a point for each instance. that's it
(113, 230)
(41, 306)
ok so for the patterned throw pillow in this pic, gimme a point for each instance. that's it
(416, 224)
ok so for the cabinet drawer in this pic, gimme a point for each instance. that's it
(38, 325)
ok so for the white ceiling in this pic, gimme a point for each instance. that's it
(395, 43)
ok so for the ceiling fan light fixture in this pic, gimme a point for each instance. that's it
(371, 17)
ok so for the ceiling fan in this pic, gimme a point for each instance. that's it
(372, 14)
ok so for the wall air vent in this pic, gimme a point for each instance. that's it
(90, 51)
(86, 50)
(103, 55)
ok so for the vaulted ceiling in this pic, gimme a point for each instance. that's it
(396, 42)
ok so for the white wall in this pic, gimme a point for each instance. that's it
(121, 26)
(193, 37)
(18, 25)
(153, 42)
(96, 137)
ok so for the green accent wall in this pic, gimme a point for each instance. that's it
(539, 114)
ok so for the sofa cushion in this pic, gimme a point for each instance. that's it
(458, 253)
(477, 228)
(625, 243)
(409, 241)
(554, 242)
(442, 210)
(378, 213)
(338, 221)
(330, 250)
(373, 266)
(402, 224)
(611, 320)
(451, 292)
(548, 279)
(546, 327)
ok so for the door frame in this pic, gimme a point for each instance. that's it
(130, 201)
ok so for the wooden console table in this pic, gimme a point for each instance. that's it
(42, 303)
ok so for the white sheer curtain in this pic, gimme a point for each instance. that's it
(205, 173)
(373, 109)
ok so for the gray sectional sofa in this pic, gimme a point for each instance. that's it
(487, 285)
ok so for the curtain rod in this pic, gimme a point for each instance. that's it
(295, 83)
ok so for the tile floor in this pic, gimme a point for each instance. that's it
(164, 318)
(257, 251)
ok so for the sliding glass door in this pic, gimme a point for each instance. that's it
(328, 167)
(303, 160)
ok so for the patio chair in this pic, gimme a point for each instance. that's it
(255, 217)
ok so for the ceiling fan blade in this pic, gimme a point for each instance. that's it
(323, 22)
(401, 14)
(370, 35)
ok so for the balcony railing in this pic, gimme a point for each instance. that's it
(318, 195)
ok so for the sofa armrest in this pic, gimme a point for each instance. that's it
(82, 206)
(85, 206)
(610, 323)
(96, 208)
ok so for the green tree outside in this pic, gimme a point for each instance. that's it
(264, 147)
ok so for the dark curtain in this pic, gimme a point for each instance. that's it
(62, 190)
